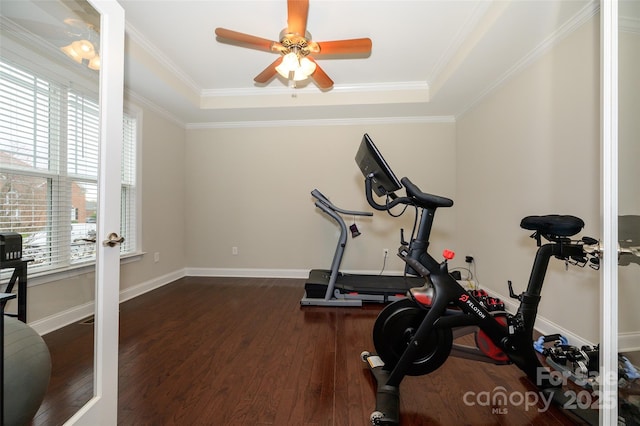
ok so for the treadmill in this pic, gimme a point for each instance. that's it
(330, 287)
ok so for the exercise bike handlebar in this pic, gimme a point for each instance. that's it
(414, 197)
(324, 201)
(382, 207)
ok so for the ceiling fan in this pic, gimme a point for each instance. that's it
(78, 39)
(296, 48)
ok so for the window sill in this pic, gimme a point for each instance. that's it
(75, 270)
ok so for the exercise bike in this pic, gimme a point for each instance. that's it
(415, 336)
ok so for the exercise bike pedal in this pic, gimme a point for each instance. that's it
(378, 418)
(374, 361)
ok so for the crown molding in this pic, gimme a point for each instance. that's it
(132, 96)
(136, 98)
(459, 40)
(338, 88)
(162, 59)
(360, 94)
(629, 25)
(322, 122)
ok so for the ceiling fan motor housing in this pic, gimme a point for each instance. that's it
(295, 42)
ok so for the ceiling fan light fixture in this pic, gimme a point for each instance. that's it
(81, 50)
(71, 52)
(289, 63)
(94, 63)
(307, 67)
(84, 48)
(301, 68)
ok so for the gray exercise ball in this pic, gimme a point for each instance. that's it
(27, 369)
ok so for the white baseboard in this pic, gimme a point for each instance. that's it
(545, 326)
(271, 273)
(627, 342)
(137, 290)
(247, 273)
(61, 319)
(77, 313)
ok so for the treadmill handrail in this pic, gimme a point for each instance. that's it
(324, 200)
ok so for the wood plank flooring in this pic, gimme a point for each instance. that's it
(237, 351)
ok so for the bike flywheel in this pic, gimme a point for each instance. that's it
(394, 329)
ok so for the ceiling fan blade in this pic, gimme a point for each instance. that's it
(268, 73)
(320, 77)
(248, 40)
(341, 47)
(297, 12)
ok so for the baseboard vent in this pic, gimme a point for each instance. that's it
(88, 321)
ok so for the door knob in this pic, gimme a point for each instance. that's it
(112, 240)
(597, 250)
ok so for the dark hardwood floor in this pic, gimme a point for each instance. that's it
(232, 351)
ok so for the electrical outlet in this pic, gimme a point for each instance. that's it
(156, 257)
(234, 251)
(385, 252)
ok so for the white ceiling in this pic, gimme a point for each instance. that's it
(430, 58)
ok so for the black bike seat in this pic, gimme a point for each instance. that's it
(553, 224)
(422, 198)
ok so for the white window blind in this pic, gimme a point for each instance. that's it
(49, 158)
(128, 195)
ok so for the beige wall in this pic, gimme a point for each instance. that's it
(250, 188)
(533, 148)
(50, 299)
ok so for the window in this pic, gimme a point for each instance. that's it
(49, 147)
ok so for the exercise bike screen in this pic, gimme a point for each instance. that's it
(371, 162)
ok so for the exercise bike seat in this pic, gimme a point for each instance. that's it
(423, 199)
(553, 224)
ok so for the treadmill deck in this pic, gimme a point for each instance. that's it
(316, 284)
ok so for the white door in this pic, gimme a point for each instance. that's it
(102, 408)
(609, 194)
(626, 45)
(620, 319)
